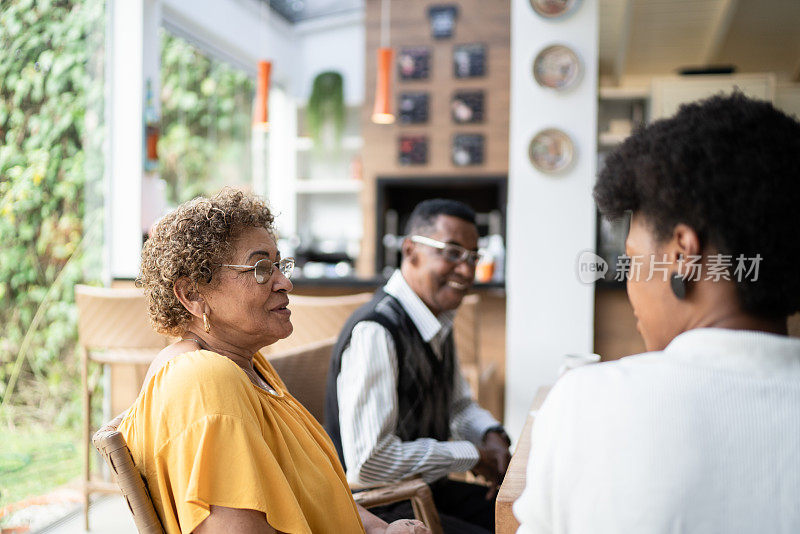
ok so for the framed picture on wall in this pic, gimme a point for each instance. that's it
(443, 21)
(467, 149)
(412, 108)
(467, 107)
(413, 150)
(414, 63)
(469, 60)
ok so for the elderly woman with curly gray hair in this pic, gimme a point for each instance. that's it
(223, 446)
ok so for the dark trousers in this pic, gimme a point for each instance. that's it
(462, 507)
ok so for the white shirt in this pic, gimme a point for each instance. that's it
(368, 404)
(703, 437)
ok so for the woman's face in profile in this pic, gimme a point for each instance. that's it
(657, 309)
(245, 312)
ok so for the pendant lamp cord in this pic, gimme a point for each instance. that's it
(385, 15)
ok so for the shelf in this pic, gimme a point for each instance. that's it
(623, 93)
(309, 187)
(349, 142)
(610, 139)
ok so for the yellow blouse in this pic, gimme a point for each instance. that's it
(202, 433)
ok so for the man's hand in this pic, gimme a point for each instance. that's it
(407, 526)
(498, 443)
(493, 461)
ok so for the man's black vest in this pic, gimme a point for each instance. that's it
(425, 382)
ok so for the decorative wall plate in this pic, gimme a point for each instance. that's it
(551, 151)
(557, 67)
(552, 9)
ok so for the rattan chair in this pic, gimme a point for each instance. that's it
(304, 371)
(317, 318)
(112, 329)
(112, 447)
(482, 376)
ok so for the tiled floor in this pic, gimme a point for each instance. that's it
(107, 515)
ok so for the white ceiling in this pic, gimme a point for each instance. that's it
(302, 10)
(647, 37)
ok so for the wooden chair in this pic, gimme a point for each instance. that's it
(317, 318)
(112, 329)
(304, 370)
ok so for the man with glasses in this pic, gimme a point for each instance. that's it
(397, 404)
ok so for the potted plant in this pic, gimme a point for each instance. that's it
(325, 113)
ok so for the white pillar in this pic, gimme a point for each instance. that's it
(551, 219)
(282, 164)
(134, 58)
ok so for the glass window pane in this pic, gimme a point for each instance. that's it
(205, 120)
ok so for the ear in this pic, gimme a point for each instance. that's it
(409, 251)
(684, 243)
(186, 292)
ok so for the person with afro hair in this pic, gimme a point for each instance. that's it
(702, 433)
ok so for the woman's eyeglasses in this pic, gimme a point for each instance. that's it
(450, 251)
(263, 269)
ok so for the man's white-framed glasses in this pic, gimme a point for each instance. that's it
(263, 269)
(449, 251)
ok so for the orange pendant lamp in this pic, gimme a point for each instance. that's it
(382, 112)
(261, 111)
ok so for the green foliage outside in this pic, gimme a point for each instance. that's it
(52, 132)
(51, 94)
(39, 458)
(205, 118)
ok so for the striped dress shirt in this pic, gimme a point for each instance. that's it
(368, 404)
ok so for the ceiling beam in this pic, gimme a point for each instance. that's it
(718, 31)
(623, 42)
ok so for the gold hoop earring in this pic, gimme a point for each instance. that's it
(206, 324)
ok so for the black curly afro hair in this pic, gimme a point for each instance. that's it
(729, 167)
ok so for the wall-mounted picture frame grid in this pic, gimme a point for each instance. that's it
(469, 60)
(468, 149)
(412, 149)
(443, 20)
(414, 63)
(412, 108)
(467, 107)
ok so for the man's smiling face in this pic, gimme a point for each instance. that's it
(441, 284)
